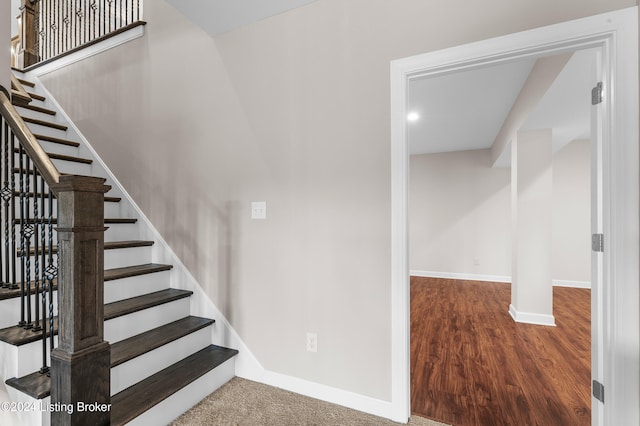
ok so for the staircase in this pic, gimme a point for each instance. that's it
(162, 357)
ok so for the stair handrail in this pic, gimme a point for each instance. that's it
(29, 142)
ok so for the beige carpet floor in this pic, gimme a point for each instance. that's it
(242, 402)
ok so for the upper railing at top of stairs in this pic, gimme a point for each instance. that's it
(51, 28)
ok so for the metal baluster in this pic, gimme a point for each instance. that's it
(59, 29)
(52, 271)
(92, 34)
(50, 40)
(7, 196)
(11, 153)
(27, 230)
(22, 266)
(44, 368)
(4, 265)
(36, 258)
(63, 27)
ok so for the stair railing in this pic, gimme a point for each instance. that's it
(27, 225)
(29, 184)
(50, 28)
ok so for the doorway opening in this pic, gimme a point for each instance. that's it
(466, 349)
(615, 309)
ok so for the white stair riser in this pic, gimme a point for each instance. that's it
(48, 131)
(26, 112)
(18, 361)
(121, 232)
(112, 209)
(118, 258)
(73, 168)
(9, 357)
(137, 369)
(135, 286)
(172, 407)
(58, 148)
(10, 309)
(126, 326)
(52, 148)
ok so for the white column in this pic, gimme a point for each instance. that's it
(531, 202)
(5, 50)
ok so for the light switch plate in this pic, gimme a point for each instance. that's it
(258, 210)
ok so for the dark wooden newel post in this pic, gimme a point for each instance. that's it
(80, 365)
(28, 32)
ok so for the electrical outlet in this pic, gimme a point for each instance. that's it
(312, 342)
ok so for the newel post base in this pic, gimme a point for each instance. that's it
(80, 365)
(80, 386)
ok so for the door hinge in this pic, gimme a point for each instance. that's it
(596, 94)
(598, 391)
(597, 242)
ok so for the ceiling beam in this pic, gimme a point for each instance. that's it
(540, 79)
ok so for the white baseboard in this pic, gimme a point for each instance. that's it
(573, 284)
(462, 276)
(366, 404)
(492, 278)
(531, 318)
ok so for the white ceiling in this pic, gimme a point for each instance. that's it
(465, 110)
(219, 16)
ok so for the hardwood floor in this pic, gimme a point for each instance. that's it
(471, 364)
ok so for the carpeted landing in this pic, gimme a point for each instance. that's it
(242, 402)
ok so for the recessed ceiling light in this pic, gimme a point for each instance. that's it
(413, 116)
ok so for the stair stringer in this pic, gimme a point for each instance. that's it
(223, 334)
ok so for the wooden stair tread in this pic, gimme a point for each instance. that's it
(18, 336)
(37, 97)
(39, 109)
(112, 245)
(30, 194)
(127, 244)
(56, 140)
(137, 399)
(37, 385)
(107, 220)
(132, 271)
(126, 350)
(71, 158)
(26, 82)
(139, 303)
(63, 157)
(45, 123)
(11, 293)
(107, 199)
(120, 220)
(109, 274)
